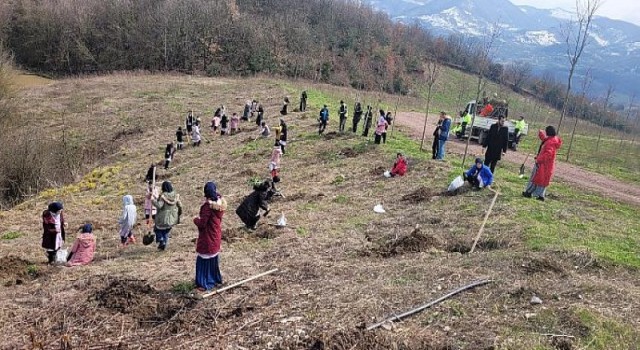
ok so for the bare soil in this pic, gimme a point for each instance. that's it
(606, 186)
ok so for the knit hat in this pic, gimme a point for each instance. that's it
(211, 190)
(87, 228)
(55, 207)
(167, 187)
(478, 160)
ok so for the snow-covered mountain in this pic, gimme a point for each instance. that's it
(532, 35)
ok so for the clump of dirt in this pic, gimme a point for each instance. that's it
(379, 170)
(248, 173)
(562, 343)
(415, 242)
(164, 176)
(542, 265)
(331, 135)
(487, 244)
(14, 270)
(268, 232)
(420, 195)
(124, 134)
(361, 339)
(348, 152)
(136, 298)
(242, 234)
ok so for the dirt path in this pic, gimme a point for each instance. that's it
(598, 183)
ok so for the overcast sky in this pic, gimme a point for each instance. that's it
(627, 10)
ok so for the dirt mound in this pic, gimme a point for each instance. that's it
(263, 231)
(127, 133)
(247, 172)
(141, 301)
(415, 242)
(379, 170)
(348, 152)
(331, 135)
(14, 270)
(542, 265)
(420, 195)
(294, 197)
(487, 244)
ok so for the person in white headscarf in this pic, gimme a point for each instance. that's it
(127, 220)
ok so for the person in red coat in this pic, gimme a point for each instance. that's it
(542, 172)
(399, 167)
(209, 224)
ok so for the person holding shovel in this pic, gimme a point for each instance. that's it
(249, 209)
(209, 223)
(368, 120)
(543, 170)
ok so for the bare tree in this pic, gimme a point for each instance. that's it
(605, 108)
(518, 73)
(482, 61)
(586, 83)
(431, 73)
(576, 37)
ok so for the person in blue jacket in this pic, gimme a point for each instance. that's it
(479, 175)
(444, 134)
(324, 119)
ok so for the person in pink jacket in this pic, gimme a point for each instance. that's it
(381, 128)
(83, 248)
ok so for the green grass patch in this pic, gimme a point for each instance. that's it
(184, 287)
(11, 235)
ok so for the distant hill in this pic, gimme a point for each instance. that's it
(532, 35)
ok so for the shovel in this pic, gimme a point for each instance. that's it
(521, 175)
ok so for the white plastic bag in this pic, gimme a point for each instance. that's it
(379, 209)
(61, 256)
(282, 221)
(387, 174)
(455, 184)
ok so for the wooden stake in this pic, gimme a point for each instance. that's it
(484, 222)
(217, 291)
(437, 301)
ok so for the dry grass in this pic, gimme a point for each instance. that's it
(341, 265)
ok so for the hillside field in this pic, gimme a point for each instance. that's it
(342, 267)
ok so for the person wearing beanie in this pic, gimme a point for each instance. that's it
(323, 119)
(209, 223)
(83, 248)
(179, 138)
(479, 175)
(283, 134)
(496, 144)
(343, 116)
(53, 225)
(543, 170)
(168, 215)
(127, 220)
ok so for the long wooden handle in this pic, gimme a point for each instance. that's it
(217, 291)
(484, 222)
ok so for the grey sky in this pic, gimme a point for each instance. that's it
(627, 10)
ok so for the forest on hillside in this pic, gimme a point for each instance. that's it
(340, 42)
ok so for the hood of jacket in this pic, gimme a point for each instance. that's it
(219, 205)
(554, 142)
(169, 197)
(86, 240)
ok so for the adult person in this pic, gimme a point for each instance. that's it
(544, 167)
(260, 115)
(283, 135)
(53, 225)
(343, 116)
(519, 128)
(169, 152)
(381, 128)
(479, 175)
(357, 115)
(389, 118)
(180, 138)
(246, 111)
(249, 209)
(324, 119)
(496, 144)
(444, 134)
(83, 248)
(436, 137)
(209, 223)
(285, 107)
(466, 121)
(368, 119)
(168, 214)
(303, 101)
(190, 121)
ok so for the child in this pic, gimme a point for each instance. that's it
(224, 124)
(479, 175)
(53, 236)
(168, 155)
(83, 248)
(180, 138)
(215, 123)
(127, 220)
(152, 170)
(195, 135)
(246, 111)
(264, 130)
(149, 209)
(235, 121)
(399, 167)
(189, 121)
(285, 106)
(274, 163)
(260, 115)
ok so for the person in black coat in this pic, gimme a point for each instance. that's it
(283, 134)
(248, 211)
(496, 143)
(357, 115)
